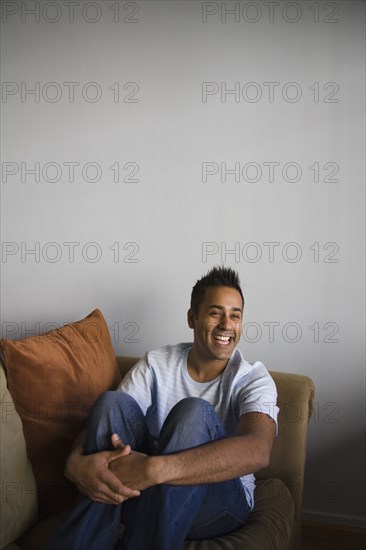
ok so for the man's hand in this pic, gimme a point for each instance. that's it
(94, 478)
(133, 470)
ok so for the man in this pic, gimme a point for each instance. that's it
(172, 453)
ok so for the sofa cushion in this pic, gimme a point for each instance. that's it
(54, 378)
(18, 489)
(268, 527)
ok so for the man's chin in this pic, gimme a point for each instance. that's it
(223, 352)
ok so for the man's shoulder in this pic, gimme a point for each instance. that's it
(168, 354)
(237, 359)
(242, 367)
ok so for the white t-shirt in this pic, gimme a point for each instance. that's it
(161, 379)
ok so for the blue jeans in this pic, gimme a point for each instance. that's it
(163, 516)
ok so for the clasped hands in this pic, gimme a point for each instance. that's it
(110, 477)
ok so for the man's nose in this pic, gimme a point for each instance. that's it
(225, 321)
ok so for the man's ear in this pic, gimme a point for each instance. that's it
(190, 318)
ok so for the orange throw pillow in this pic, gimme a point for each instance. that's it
(54, 379)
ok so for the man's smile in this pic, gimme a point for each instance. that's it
(222, 339)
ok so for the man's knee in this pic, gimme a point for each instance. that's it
(111, 404)
(191, 422)
(193, 410)
(112, 398)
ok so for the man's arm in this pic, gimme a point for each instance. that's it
(216, 461)
(92, 475)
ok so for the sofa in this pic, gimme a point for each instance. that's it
(28, 519)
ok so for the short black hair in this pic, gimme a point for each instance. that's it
(217, 276)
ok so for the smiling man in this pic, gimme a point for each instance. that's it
(172, 452)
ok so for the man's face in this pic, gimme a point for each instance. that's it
(217, 328)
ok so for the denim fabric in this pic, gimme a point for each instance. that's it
(163, 516)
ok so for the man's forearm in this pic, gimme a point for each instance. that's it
(219, 460)
(210, 463)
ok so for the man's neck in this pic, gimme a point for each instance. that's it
(204, 370)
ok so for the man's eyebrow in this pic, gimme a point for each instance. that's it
(222, 307)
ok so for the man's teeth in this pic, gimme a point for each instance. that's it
(222, 338)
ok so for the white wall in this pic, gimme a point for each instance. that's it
(298, 72)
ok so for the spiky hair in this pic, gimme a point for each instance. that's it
(215, 277)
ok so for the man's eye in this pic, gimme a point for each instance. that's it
(236, 317)
(215, 313)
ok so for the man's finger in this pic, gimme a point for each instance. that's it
(117, 442)
(113, 485)
(106, 497)
(110, 496)
(118, 453)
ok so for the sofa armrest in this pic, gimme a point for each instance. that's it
(295, 400)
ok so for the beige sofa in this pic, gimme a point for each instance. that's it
(275, 523)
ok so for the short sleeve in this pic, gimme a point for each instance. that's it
(139, 384)
(258, 393)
